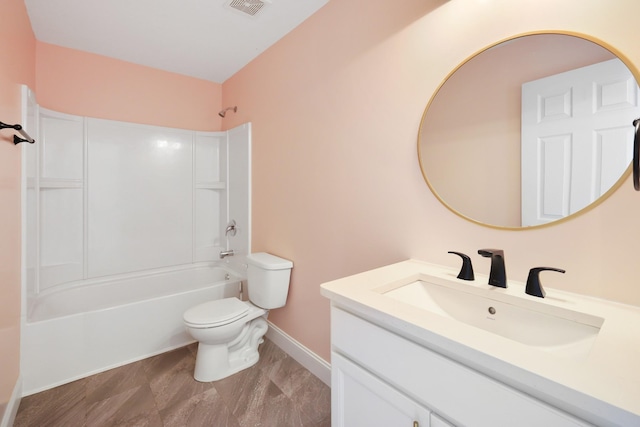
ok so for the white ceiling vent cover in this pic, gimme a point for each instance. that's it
(248, 7)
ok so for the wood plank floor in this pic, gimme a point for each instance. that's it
(160, 392)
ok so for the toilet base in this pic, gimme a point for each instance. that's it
(217, 361)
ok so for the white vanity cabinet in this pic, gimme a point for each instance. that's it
(412, 342)
(361, 399)
(382, 379)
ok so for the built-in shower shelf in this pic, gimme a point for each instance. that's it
(58, 183)
(211, 185)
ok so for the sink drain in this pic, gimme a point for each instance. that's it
(492, 310)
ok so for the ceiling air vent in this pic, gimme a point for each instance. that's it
(248, 7)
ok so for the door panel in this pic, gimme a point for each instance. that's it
(584, 114)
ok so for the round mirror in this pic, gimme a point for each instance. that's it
(530, 131)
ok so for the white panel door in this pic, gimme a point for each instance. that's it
(360, 399)
(576, 138)
(140, 203)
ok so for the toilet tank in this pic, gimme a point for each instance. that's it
(268, 280)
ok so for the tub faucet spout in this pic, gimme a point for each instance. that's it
(498, 273)
(224, 254)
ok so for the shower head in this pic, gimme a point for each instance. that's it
(224, 112)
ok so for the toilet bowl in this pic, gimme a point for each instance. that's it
(229, 330)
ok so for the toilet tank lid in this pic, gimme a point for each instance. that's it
(268, 261)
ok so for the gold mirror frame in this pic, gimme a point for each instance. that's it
(592, 205)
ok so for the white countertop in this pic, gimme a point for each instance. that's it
(603, 385)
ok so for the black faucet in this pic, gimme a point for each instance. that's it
(534, 287)
(498, 273)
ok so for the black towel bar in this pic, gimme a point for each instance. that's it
(16, 139)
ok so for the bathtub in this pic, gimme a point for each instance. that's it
(89, 327)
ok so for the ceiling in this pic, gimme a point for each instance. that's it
(206, 39)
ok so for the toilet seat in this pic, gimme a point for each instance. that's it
(215, 313)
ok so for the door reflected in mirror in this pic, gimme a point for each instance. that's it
(530, 131)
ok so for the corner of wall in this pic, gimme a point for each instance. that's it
(11, 407)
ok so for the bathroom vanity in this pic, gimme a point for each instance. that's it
(413, 345)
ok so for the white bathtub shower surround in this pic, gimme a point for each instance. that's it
(123, 227)
(84, 330)
(106, 197)
(114, 197)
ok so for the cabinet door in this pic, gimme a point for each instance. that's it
(361, 399)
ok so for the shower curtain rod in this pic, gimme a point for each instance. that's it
(16, 139)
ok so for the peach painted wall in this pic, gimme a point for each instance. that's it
(336, 107)
(16, 68)
(85, 84)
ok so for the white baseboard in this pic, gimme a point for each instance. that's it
(301, 354)
(11, 409)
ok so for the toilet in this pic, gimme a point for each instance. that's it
(229, 330)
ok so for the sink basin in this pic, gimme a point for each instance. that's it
(549, 328)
